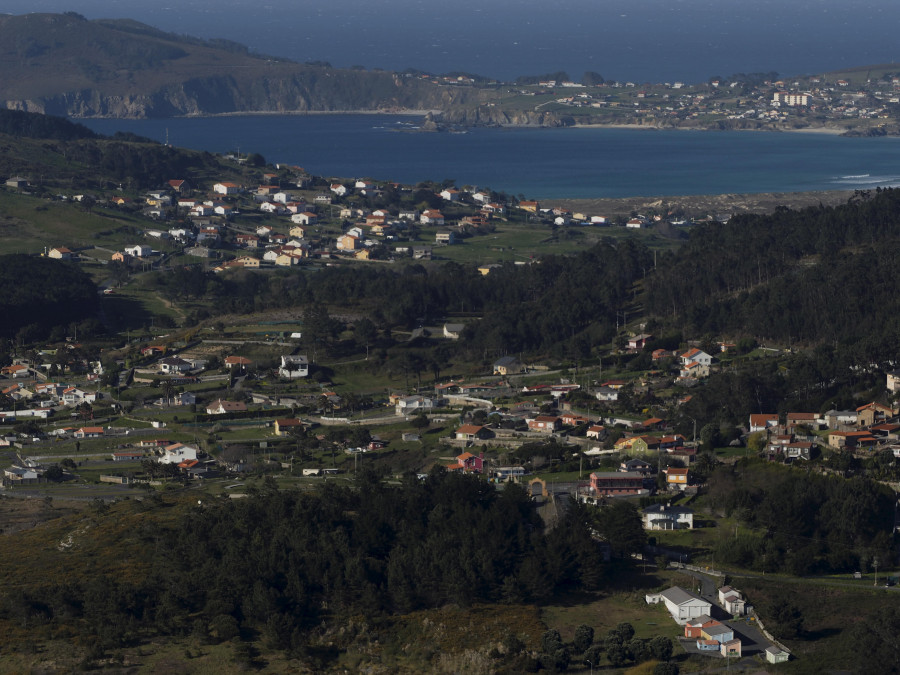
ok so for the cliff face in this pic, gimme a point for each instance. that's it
(492, 116)
(301, 92)
(66, 65)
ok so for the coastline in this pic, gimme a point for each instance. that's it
(408, 112)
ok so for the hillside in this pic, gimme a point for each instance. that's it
(66, 65)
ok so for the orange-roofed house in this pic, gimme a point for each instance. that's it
(469, 463)
(17, 370)
(242, 361)
(676, 478)
(872, 413)
(697, 356)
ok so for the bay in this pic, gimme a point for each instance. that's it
(576, 163)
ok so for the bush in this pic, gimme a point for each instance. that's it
(584, 636)
(665, 669)
(551, 641)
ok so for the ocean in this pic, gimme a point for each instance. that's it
(575, 163)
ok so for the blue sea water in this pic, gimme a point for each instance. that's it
(541, 163)
(637, 40)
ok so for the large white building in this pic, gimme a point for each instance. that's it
(682, 605)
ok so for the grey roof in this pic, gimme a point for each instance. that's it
(717, 630)
(506, 361)
(679, 596)
(663, 508)
(617, 474)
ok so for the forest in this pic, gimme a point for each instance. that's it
(555, 304)
(280, 564)
(816, 276)
(38, 294)
(804, 523)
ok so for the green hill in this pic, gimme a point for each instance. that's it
(66, 65)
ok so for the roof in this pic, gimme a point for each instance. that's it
(663, 508)
(505, 361)
(717, 630)
(679, 596)
(469, 429)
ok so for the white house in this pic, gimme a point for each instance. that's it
(682, 605)
(665, 517)
(177, 453)
(431, 217)
(408, 404)
(304, 218)
(174, 364)
(732, 601)
(776, 655)
(139, 250)
(696, 356)
(294, 367)
(226, 188)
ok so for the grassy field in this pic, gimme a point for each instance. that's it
(29, 224)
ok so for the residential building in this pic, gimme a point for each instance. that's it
(665, 517)
(544, 423)
(286, 426)
(508, 365)
(294, 367)
(472, 432)
(221, 407)
(616, 483)
(676, 478)
(763, 422)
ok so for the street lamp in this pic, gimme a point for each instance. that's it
(591, 665)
